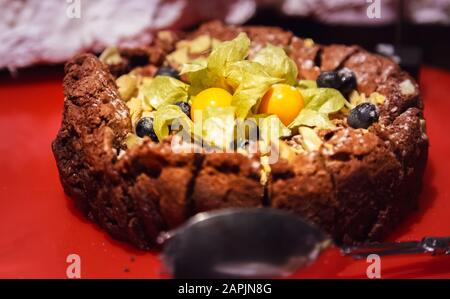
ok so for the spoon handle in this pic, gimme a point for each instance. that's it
(430, 245)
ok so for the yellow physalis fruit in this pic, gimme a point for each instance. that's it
(211, 97)
(284, 101)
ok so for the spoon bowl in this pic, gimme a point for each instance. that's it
(242, 243)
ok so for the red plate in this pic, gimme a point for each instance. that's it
(39, 227)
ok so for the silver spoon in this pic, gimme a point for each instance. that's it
(260, 242)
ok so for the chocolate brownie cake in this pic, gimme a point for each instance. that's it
(355, 171)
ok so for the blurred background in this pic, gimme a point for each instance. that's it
(51, 31)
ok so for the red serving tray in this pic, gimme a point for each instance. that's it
(39, 227)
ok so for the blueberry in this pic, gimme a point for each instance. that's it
(184, 107)
(343, 80)
(328, 80)
(168, 71)
(347, 81)
(362, 116)
(144, 127)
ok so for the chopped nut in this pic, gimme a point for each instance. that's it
(310, 140)
(286, 151)
(200, 45)
(309, 42)
(143, 88)
(188, 50)
(135, 107)
(308, 64)
(127, 86)
(407, 88)
(179, 57)
(166, 36)
(110, 56)
(376, 98)
(357, 98)
(265, 170)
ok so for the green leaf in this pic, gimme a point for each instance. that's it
(211, 72)
(305, 84)
(228, 52)
(193, 67)
(167, 116)
(252, 83)
(218, 126)
(201, 80)
(238, 71)
(311, 118)
(277, 64)
(323, 100)
(164, 90)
